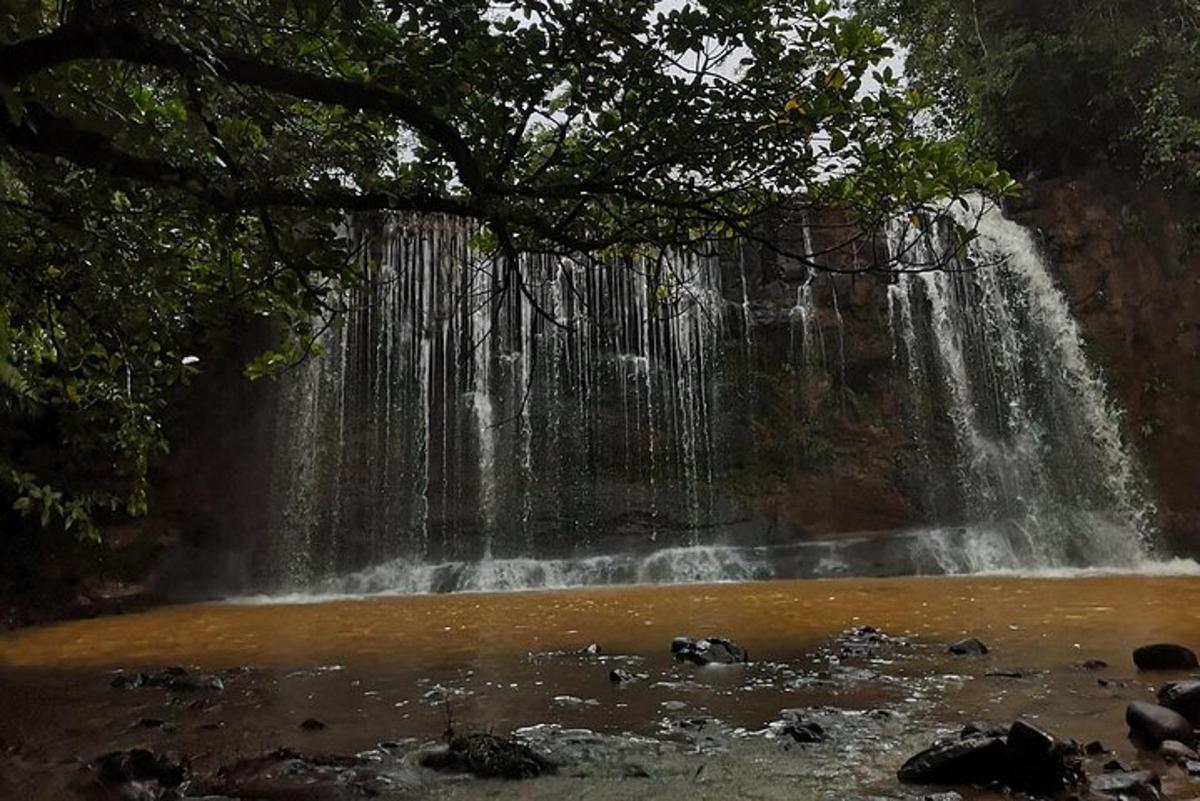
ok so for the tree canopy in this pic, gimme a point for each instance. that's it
(170, 169)
(1059, 85)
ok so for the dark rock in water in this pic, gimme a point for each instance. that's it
(621, 676)
(1183, 697)
(1116, 766)
(1036, 759)
(805, 731)
(1090, 664)
(969, 647)
(1005, 674)
(1151, 724)
(980, 760)
(713, 650)
(1176, 752)
(1095, 748)
(635, 772)
(151, 723)
(488, 756)
(1111, 683)
(126, 681)
(312, 724)
(141, 765)
(1164, 656)
(1140, 784)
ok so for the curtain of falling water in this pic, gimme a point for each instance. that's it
(448, 419)
(1041, 477)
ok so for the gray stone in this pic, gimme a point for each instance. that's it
(1139, 784)
(1176, 752)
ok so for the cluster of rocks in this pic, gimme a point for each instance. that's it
(708, 651)
(1024, 758)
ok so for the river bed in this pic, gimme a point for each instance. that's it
(385, 669)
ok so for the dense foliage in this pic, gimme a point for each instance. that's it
(172, 169)
(1058, 85)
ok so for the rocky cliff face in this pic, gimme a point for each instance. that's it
(1129, 258)
(819, 433)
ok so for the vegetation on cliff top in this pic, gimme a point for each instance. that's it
(169, 168)
(1060, 85)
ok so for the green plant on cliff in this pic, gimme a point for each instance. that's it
(171, 169)
(1059, 85)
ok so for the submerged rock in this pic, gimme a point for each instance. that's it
(1164, 656)
(969, 647)
(1090, 664)
(805, 731)
(312, 724)
(709, 651)
(1139, 784)
(1183, 697)
(285, 774)
(979, 760)
(171, 678)
(1152, 724)
(141, 765)
(621, 676)
(488, 756)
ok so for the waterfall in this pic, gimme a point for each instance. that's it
(468, 409)
(1041, 473)
(475, 424)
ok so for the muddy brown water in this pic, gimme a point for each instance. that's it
(382, 668)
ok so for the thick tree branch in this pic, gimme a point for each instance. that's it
(43, 133)
(127, 42)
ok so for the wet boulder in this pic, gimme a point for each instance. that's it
(1141, 785)
(1152, 724)
(1036, 759)
(968, 647)
(1183, 697)
(978, 760)
(1164, 656)
(709, 651)
(488, 757)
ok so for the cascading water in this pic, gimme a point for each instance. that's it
(464, 431)
(1042, 478)
(458, 415)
